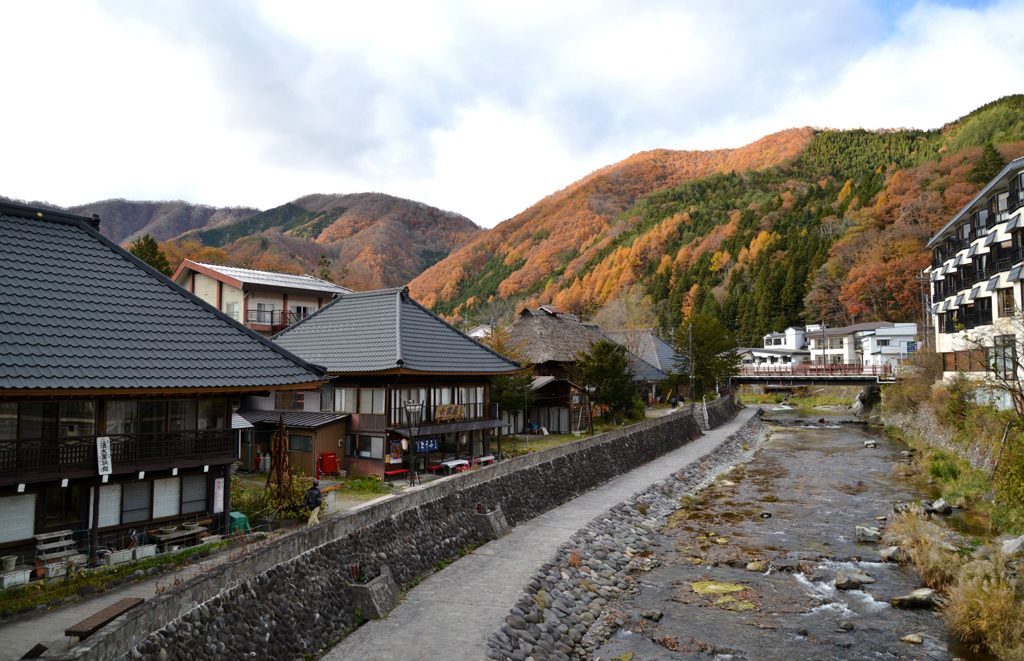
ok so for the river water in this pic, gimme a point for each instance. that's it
(794, 506)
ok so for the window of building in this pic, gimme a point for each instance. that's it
(1004, 356)
(78, 418)
(8, 421)
(193, 494)
(371, 401)
(62, 504)
(326, 398)
(212, 414)
(136, 501)
(152, 417)
(368, 447)
(231, 309)
(290, 400)
(300, 312)
(345, 400)
(122, 417)
(264, 313)
(835, 343)
(183, 415)
(298, 443)
(1007, 306)
(39, 419)
(882, 343)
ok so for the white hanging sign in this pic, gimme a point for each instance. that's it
(106, 465)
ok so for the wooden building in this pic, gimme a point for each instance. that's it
(116, 388)
(381, 349)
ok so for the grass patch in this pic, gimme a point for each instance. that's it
(985, 611)
(939, 567)
(766, 398)
(826, 399)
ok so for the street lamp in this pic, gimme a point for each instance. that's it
(413, 417)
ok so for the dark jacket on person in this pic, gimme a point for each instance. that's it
(313, 498)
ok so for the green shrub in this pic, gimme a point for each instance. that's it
(943, 469)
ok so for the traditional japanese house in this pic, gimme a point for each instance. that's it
(552, 339)
(383, 349)
(116, 388)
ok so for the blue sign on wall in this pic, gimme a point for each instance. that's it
(426, 444)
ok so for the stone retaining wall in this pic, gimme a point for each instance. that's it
(287, 598)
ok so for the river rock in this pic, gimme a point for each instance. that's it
(1012, 546)
(846, 625)
(914, 638)
(757, 565)
(941, 506)
(870, 444)
(866, 534)
(653, 615)
(922, 598)
(894, 554)
(852, 580)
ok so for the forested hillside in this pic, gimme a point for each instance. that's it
(373, 240)
(832, 226)
(124, 221)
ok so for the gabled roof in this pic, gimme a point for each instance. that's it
(651, 347)
(996, 181)
(250, 279)
(78, 312)
(385, 331)
(558, 337)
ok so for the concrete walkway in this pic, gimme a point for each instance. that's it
(451, 613)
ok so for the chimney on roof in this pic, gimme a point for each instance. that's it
(95, 218)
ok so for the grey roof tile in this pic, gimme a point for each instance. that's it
(383, 330)
(274, 279)
(79, 312)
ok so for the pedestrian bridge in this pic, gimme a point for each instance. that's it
(795, 376)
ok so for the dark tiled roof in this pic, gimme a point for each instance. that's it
(79, 312)
(384, 330)
(303, 419)
(850, 330)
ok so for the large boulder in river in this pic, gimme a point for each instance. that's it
(1012, 546)
(941, 506)
(852, 580)
(866, 534)
(894, 554)
(923, 598)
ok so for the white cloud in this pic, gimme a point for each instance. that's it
(479, 108)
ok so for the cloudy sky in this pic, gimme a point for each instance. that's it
(481, 108)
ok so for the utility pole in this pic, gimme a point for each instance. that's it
(691, 363)
(824, 345)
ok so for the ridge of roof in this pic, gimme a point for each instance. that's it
(87, 225)
(238, 273)
(1015, 163)
(398, 329)
(18, 210)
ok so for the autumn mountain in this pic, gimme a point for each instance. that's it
(373, 240)
(800, 225)
(538, 251)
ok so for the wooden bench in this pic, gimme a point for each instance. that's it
(94, 623)
(399, 471)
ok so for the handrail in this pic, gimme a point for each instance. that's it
(808, 369)
(77, 452)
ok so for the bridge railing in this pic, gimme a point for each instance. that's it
(855, 369)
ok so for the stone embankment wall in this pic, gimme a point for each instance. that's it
(561, 614)
(923, 424)
(287, 599)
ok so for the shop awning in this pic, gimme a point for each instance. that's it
(452, 427)
(299, 419)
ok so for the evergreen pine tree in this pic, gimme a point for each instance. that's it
(146, 249)
(988, 166)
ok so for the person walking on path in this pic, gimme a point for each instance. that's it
(314, 498)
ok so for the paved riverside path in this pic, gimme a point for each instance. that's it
(452, 612)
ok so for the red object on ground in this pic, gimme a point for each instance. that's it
(329, 462)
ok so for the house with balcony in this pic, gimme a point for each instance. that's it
(872, 344)
(116, 388)
(382, 349)
(975, 276)
(265, 301)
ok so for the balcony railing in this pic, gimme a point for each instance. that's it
(451, 413)
(279, 318)
(1003, 265)
(808, 369)
(1014, 201)
(78, 453)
